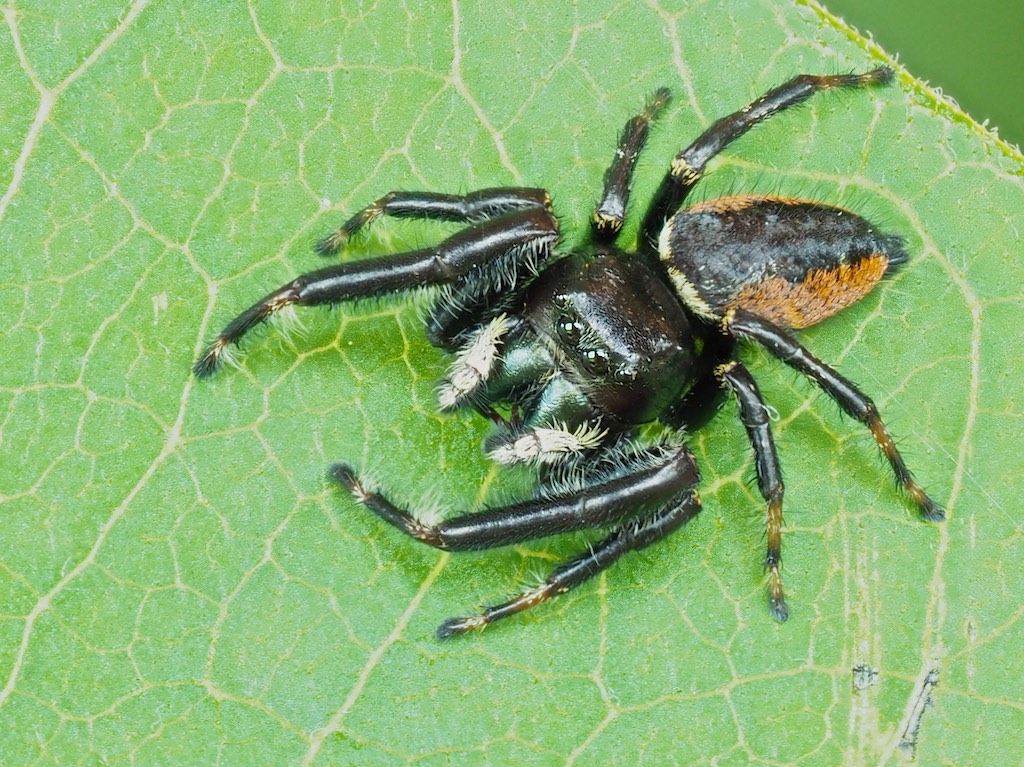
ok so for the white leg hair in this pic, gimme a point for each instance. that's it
(286, 321)
(549, 444)
(473, 365)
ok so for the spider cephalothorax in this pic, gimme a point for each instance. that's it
(569, 353)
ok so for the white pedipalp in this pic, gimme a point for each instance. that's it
(474, 364)
(549, 444)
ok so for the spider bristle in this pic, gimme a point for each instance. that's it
(345, 475)
(883, 75)
(455, 626)
(895, 250)
(206, 365)
(288, 324)
(431, 508)
(446, 630)
(332, 243)
(658, 101)
(779, 610)
(218, 353)
(932, 512)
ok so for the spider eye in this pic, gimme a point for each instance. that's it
(569, 331)
(596, 361)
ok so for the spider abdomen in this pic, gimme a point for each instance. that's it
(793, 262)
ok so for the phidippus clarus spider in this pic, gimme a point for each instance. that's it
(569, 353)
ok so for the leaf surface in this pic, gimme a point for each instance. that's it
(180, 584)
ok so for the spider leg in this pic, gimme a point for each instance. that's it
(754, 415)
(503, 244)
(852, 400)
(688, 166)
(475, 206)
(631, 536)
(463, 306)
(611, 209)
(656, 477)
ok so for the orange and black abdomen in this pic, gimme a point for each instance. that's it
(790, 261)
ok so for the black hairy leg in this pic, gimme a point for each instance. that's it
(754, 415)
(610, 212)
(631, 536)
(852, 400)
(688, 166)
(599, 503)
(503, 244)
(475, 206)
(652, 488)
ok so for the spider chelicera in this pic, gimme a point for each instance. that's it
(568, 354)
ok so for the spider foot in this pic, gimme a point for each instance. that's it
(526, 600)
(345, 475)
(454, 626)
(776, 595)
(281, 300)
(216, 354)
(339, 238)
(779, 610)
(930, 510)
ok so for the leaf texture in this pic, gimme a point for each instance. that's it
(178, 582)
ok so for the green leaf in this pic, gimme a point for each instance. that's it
(180, 584)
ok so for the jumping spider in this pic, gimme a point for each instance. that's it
(570, 353)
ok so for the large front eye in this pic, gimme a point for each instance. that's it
(596, 361)
(569, 331)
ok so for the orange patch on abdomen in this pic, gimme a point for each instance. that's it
(822, 293)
